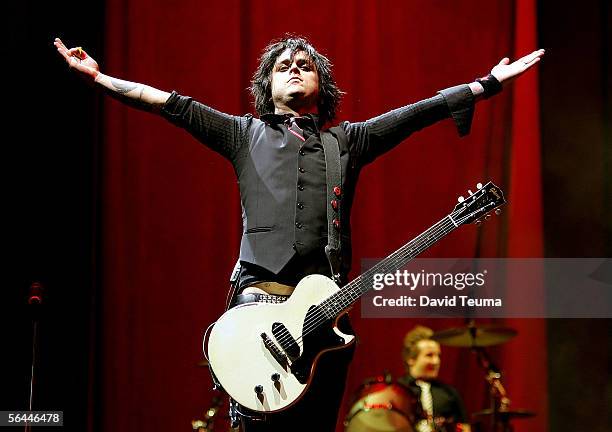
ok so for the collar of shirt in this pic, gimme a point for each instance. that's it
(412, 381)
(308, 122)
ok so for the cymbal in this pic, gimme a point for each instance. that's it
(506, 414)
(476, 336)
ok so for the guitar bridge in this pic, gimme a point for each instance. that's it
(275, 351)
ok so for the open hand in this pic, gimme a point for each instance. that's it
(78, 60)
(505, 71)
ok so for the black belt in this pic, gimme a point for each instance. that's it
(260, 298)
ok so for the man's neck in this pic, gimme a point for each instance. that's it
(417, 377)
(297, 113)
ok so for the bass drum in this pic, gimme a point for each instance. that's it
(382, 406)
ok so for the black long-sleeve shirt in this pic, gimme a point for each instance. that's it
(263, 151)
(446, 400)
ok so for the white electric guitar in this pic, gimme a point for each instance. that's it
(264, 355)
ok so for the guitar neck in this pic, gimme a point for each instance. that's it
(350, 293)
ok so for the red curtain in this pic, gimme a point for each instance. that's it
(171, 223)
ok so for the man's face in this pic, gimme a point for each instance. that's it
(427, 364)
(295, 83)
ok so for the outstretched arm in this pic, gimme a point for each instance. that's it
(378, 135)
(223, 133)
(133, 94)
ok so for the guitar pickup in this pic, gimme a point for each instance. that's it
(275, 351)
(286, 341)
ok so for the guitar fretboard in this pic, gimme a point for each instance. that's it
(350, 293)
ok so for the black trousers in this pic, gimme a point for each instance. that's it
(318, 409)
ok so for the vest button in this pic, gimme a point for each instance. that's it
(300, 186)
(302, 170)
(298, 225)
(302, 152)
(300, 205)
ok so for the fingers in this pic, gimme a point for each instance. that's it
(528, 60)
(532, 62)
(61, 48)
(532, 58)
(505, 71)
(77, 52)
(71, 55)
(59, 44)
(524, 62)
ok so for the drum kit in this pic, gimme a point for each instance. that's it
(382, 405)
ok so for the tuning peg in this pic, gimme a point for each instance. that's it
(479, 185)
(478, 222)
(498, 211)
(470, 192)
(460, 199)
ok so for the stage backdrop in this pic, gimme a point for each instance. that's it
(171, 212)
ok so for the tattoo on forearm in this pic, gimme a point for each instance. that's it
(123, 87)
(119, 90)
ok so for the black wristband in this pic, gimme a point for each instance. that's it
(490, 84)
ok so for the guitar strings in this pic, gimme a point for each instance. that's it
(441, 226)
(444, 228)
(397, 256)
(313, 322)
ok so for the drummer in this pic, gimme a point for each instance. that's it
(442, 406)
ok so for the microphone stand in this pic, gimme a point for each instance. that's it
(35, 302)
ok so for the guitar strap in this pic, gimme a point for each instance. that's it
(333, 174)
(231, 296)
(233, 410)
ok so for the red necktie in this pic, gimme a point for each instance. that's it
(295, 129)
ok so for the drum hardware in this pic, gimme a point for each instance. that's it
(477, 338)
(210, 415)
(211, 418)
(473, 336)
(518, 414)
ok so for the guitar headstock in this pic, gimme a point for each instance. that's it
(486, 199)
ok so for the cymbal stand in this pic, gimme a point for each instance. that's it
(499, 396)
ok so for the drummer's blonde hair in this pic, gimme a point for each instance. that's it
(412, 338)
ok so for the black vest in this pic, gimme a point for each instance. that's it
(283, 194)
